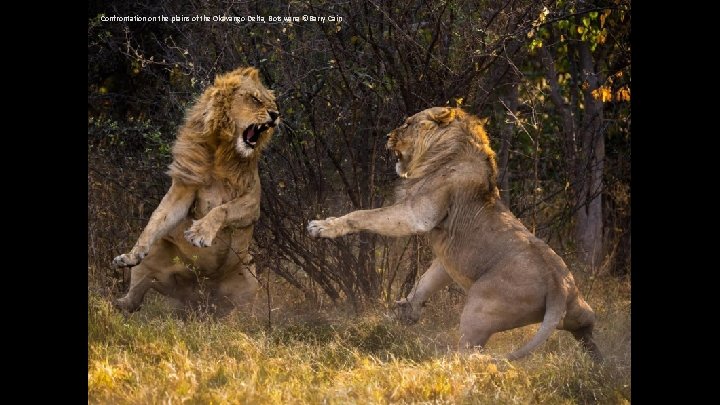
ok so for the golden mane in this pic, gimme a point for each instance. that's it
(205, 148)
(458, 133)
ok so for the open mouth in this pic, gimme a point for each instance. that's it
(253, 132)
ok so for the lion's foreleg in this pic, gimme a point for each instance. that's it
(411, 216)
(404, 219)
(240, 213)
(388, 221)
(435, 278)
(243, 212)
(172, 209)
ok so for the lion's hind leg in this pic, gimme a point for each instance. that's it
(580, 321)
(477, 321)
(157, 271)
(495, 304)
(237, 290)
(141, 279)
(475, 330)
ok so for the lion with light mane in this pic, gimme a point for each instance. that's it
(198, 237)
(448, 191)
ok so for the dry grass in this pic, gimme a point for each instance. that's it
(327, 355)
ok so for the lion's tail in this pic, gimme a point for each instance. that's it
(555, 306)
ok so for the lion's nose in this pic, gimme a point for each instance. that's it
(273, 115)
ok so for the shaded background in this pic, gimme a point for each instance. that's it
(552, 77)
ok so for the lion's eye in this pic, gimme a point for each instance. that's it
(256, 100)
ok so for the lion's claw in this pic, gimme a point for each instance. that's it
(195, 239)
(323, 228)
(315, 228)
(196, 235)
(129, 259)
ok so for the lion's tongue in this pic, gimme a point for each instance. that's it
(251, 135)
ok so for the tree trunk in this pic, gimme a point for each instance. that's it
(510, 101)
(589, 219)
(584, 146)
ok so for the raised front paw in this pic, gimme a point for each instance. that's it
(325, 228)
(130, 259)
(201, 233)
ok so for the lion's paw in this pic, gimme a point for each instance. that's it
(200, 234)
(124, 305)
(406, 313)
(324, 228)
(130, 259)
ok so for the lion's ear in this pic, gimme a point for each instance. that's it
(441, 115)
(249, 72)
(252, 73)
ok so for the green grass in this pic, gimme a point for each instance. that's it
(330, 357)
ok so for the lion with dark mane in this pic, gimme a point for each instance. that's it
(198, 237)
(449, 192)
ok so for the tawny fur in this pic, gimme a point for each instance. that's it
(449, 191)
(198, 237)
